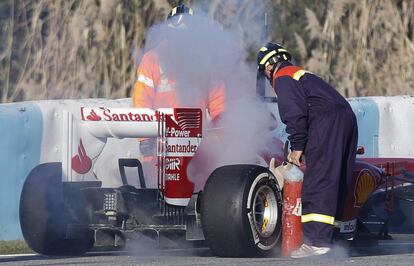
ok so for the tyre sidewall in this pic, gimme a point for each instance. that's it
(257, 181)
(44, 214)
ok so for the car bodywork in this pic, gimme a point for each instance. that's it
(112, 215)
(385, 178)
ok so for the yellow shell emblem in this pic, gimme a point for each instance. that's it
(365, 185)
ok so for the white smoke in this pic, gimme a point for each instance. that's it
(200, 57)
(197, 57)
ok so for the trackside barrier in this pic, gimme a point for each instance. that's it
(20, 145)
(34, 133)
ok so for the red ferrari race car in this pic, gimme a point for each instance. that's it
(238, 212)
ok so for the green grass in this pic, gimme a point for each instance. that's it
(14, 247)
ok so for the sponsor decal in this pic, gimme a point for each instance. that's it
(182, 134)
(186, 147)
(93, 116)
(81, 163)
(172, 177)
(365, 185)
(122, 115)
(189, 119)
(172, 132)
(173, 168)
(297, 211)
(348, 226)
(172, 164)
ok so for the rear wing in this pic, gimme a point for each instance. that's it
(178, 132)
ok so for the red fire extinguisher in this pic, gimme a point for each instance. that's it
(292, 205)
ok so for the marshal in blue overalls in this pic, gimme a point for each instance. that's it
(321, 123)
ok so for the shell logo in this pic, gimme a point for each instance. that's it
(365, 185)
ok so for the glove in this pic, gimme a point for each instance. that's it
(277, 172)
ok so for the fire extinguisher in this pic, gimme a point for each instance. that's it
(292, 178)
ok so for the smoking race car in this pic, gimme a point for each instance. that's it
(237, 212)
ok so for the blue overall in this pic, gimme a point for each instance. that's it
(321, 123)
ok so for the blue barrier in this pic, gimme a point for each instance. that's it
(367, 113)
(21, 125)
(21, 128)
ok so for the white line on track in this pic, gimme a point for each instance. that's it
(92, 253)
(18, 255)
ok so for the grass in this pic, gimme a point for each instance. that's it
(14, 247)
(88, 49)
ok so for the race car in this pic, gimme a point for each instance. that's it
(237, 212)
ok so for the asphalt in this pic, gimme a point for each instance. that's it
(399, 251)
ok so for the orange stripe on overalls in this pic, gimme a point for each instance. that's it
(286, 71)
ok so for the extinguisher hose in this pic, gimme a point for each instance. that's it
(286, 152)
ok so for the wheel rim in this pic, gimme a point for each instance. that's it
(265, 211)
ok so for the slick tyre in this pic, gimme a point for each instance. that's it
(241, 211)
(44, 214)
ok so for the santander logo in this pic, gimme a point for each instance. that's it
(122, 114)
(93, 116)
(81, 163)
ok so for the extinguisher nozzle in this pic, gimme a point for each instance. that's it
(286, 152)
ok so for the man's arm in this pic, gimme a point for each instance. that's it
(143, 92)
(216, 101)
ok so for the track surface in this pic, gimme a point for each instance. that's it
(399, 251)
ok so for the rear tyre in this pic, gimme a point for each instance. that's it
(241, 211)
(44, 214)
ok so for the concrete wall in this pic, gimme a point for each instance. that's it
(33, 133)
(20, 145)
